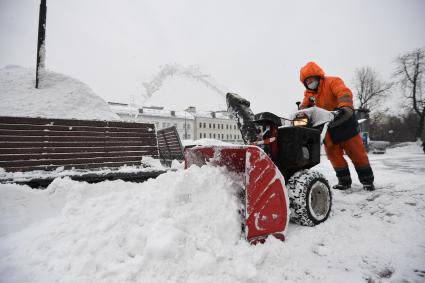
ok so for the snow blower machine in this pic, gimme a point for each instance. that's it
(275, 162)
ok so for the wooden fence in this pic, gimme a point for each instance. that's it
(169, 145)
(28, 144)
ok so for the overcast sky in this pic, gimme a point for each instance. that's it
(254, 48)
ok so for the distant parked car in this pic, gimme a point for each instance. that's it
(379, 147)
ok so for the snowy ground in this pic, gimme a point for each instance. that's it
(183, 227)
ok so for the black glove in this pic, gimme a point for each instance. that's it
(342, 115)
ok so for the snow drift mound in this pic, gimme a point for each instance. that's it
(206, 142)
(181, 227)
(59, 96)
(406, 147)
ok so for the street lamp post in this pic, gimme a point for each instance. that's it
(41, 46)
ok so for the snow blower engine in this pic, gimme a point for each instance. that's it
(275, 161)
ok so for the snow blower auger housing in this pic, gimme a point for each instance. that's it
(275, 162)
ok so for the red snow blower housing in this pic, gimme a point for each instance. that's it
(275, 163)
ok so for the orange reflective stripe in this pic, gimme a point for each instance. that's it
(345, 98)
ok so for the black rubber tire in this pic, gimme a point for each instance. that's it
(307, 186)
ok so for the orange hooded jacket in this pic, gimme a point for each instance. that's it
(331, 93)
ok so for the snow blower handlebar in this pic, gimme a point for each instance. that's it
(317, 118)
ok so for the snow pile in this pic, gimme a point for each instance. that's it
(205, 142)
(147, 164)
(59, 96)
(178, 227)
(150, 162)
(184, 227)
(406, 147)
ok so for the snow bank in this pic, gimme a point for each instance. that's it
(406, 147)
(184, 227)
(180, 226)
(59, 96)
(147, 164)
(205, 142)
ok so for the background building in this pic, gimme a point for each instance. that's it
(190, 123)
(218, 125)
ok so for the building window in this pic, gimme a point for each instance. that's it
(205, 125)
(227, 127)
(210, 135)
(213, 126)
(200, 125)
(234, 127)
(205, 135)
(214, 135)
(200, 135)
(188, 136)
(222, 136)
(209, 125)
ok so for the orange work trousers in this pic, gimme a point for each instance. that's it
(353, 147)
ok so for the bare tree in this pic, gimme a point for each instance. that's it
(410, 75)
(369, 88)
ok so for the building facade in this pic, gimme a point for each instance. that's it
(162, 118)
(217, 125)
(190, 123)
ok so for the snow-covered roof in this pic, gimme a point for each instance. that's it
(132, 109)
(167, 113)
(190, 113)
(58, 96)
(121, 108)
(213, 114)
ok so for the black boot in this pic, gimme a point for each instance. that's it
(366, 177)
(369, 187)
(341, 187)
(344, 179)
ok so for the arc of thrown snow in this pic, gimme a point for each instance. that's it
(191, 72)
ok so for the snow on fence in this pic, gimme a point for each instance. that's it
(28, 144)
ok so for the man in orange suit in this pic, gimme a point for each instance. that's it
(330, 93)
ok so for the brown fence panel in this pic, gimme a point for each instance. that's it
(169, 145)
(45, 144)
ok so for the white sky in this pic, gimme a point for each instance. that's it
(254, 48)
